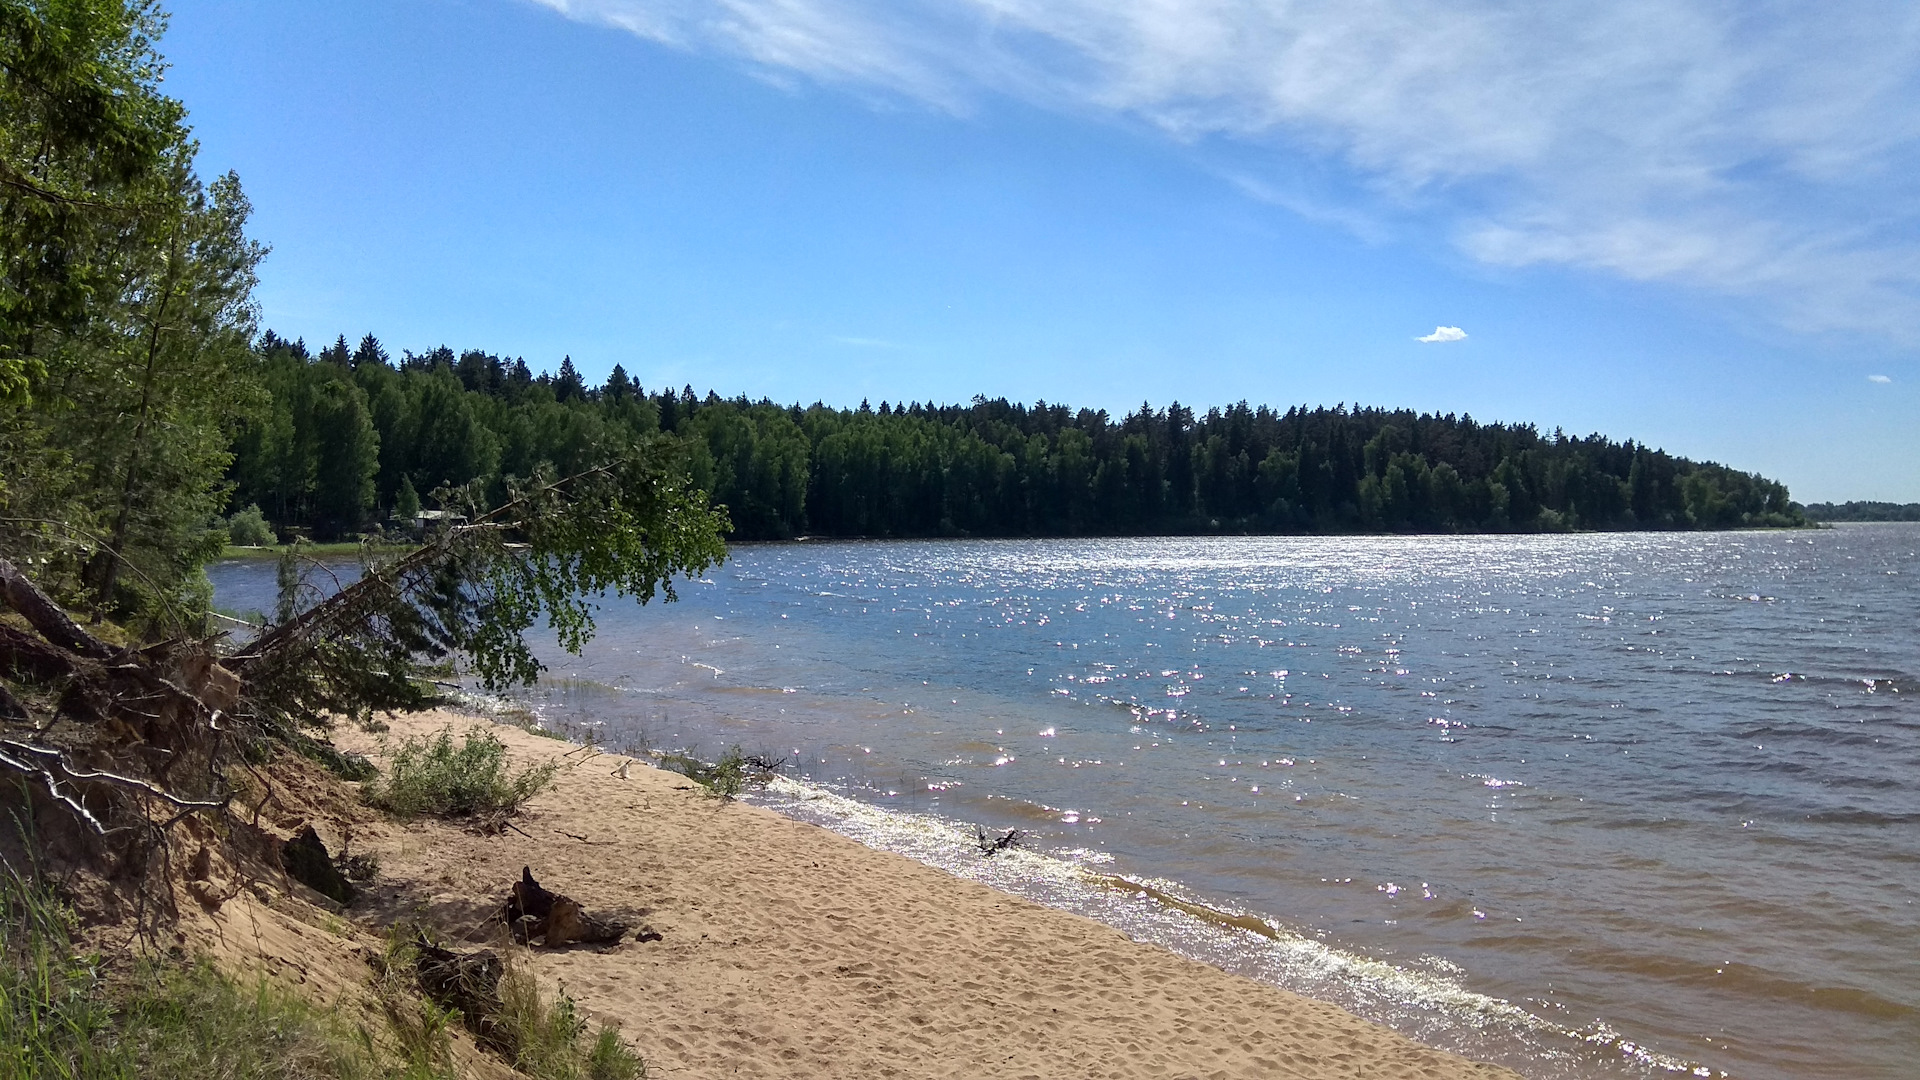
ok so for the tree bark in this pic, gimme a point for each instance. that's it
(23, 596)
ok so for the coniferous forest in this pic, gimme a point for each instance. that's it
(145, 419)
(351, 437)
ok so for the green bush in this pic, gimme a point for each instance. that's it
(726, 778)
(249, 528)
(545, 1037)
(432, 776)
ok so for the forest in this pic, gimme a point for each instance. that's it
(350, 438)
(1863, 511)
(147, 421)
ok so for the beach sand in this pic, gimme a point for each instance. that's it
(787, 950)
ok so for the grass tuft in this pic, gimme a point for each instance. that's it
(417, 1026)
(433, 776)
(547, 1039)
(65, 1016)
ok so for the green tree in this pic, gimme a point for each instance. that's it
(347, 458)
(84, 135)
(126, 301)
(406, 504)
(173, 360)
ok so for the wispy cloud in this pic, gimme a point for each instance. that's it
(1880, 378)
(868, 343)
(1763, 151)
(1444, 333)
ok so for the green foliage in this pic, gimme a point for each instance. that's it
(406, 502)
(248, 528)
(52, 1010)
(996, 468)
(432, 776)
(723, 779)
(125, 315)
(1863, 511)
(417, 1027)
(64, 1017)
(547, 1039)
(87, 137)
(552, 551)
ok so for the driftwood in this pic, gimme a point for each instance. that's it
(116, 747)
(23, 596)
(534, 912)
(993, 845)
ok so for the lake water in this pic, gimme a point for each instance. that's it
(1590, 806)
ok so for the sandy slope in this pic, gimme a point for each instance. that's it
(790, 951)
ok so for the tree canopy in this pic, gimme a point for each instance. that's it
(1863, 511)
(126, 313)
(988, 468)
(135, 404)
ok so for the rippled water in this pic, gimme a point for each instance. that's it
(1590, 806)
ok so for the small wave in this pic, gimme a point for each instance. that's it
(1427, 1000)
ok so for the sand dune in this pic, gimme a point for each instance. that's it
(789, 951)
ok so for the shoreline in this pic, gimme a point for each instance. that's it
(790, 950)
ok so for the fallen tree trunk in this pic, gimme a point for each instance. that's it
(23, 596)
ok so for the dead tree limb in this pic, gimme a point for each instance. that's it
(53, 788)
(11, 707)
(993, 845)
(350, 603)
(24, 656)
(59, 760)
(46, 616)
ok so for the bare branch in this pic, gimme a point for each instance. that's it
(59, 760)
(53, 788)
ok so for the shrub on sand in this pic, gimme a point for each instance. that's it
(547, 1039)
(435, 777)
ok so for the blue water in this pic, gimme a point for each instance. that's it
(1588, 806)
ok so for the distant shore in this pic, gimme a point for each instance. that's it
(331, 549)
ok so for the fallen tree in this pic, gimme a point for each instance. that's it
(114, 746)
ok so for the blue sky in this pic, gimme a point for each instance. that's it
(1694, 224)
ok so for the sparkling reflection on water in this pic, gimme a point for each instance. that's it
(1656, 793)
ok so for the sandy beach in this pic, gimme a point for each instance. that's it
(786, 950)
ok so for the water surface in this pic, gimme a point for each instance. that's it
(1590, 806)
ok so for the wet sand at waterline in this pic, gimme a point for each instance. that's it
(791, 951)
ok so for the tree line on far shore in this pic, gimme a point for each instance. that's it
(350, 438)
(1863, 511)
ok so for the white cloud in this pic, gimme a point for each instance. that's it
(1444, 333)
(1763, 151)
(1880, 378)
